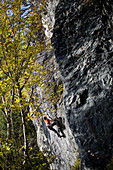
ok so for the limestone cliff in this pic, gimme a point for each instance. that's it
(64, 151)
(83, 45)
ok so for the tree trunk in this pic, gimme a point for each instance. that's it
(24, 127)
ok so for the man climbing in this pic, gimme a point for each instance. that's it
(50, 125)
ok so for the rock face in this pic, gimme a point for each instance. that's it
(48, 18)
(83, 45)
(64, 151)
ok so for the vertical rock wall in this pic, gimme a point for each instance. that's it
(83, 45)
(48, 18)
(63, 150)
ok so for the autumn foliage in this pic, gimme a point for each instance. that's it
(21, 41)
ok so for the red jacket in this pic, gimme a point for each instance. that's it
(48, 122)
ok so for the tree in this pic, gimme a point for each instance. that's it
(21, 40)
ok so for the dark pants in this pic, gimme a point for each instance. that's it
(51, 128)
(59, 128)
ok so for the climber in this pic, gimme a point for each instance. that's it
(50, 125)
(55, 122)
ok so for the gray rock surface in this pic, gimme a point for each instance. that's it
(48, 18)
(63, 151)
(83, 45)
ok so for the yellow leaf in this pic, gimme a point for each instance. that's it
(12, 105)
(7, 148)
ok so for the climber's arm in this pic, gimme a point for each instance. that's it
(53, 119)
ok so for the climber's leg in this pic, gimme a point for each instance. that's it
(54, 130)
(61, 130)
(53, 124)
